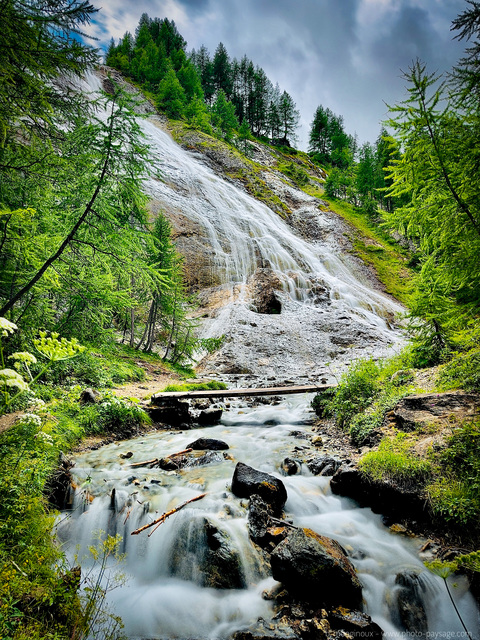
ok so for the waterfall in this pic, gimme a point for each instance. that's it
(330, 312)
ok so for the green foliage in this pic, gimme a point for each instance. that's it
(196, 386)
(363, 425)
(110, 415)
(356, 391)
(462, 371)
(454, 493)
(33, 593)
(395, 462)
(437, 174)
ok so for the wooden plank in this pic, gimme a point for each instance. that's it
(237, 393)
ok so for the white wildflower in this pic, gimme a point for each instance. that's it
(24, 356)
(31, 419)
(7, 327)
(46, 438)
(11, 378)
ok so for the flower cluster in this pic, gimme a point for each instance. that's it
(7, 327)
(55, 348)
(11, 378)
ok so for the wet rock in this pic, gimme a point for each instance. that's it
(426, 408)
(382, 497)
(89, 396)
(409, 611)
(175, 463)
(259, 519)
(174, 412)
(127, 455)
(203, 552)
(210, 416)
(210, 444)
(359, 624)
(59, 487)
(290, 467)
(315, 568)
(264, 630)
(323, 465)
(262, 528)
(246, 481)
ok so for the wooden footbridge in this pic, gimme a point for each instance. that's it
(238, 393)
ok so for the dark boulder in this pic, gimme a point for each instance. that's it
(382, 497)
(323, 465)
(210, 416)
(246, 481)
(262, 528)
(208, 444)
(174, 412)
(290, 467)
(204, 553)
(316, 569)
(409, 612)
(89, 396)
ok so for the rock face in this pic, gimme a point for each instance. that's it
(264, 284)
(435, 407)
(204, 553)
(175, 412)
(261, 529)
(247, 481)
(381, 497)
(410, 611)
(316, 569)
(208, 444)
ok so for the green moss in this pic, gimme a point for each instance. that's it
(195, 386)
(395, 461)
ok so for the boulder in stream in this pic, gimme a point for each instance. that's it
(203, 552)
(409, 610)
(172, 411)
(323, 465)
(208, 444)
(316, 569)
(246, 481)
(209, 416)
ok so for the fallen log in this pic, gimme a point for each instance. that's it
(145, 463)
(155, 461)
(166, 515)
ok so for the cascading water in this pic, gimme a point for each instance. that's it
(168, 592)
(174, 588)
(331, 310)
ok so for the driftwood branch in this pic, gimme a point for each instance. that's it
(167, 514)
(155, 461)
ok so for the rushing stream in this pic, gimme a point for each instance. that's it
(164, 597)
(331, 313)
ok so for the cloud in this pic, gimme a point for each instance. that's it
(344, 55)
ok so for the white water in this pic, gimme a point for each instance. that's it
(240, 234)
(155, 604)
(355, 320)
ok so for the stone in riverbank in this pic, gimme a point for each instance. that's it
(316, 569)
(381, 496)
(247, 481)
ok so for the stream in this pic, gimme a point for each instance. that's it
(164, 595)
(330, 313)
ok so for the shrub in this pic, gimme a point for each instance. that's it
(362, 426)
(395, 462)
(462, 371)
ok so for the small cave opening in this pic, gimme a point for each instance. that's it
(267, 304)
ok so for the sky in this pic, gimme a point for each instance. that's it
(347, 55)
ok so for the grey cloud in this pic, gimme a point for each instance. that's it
(320, 51)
